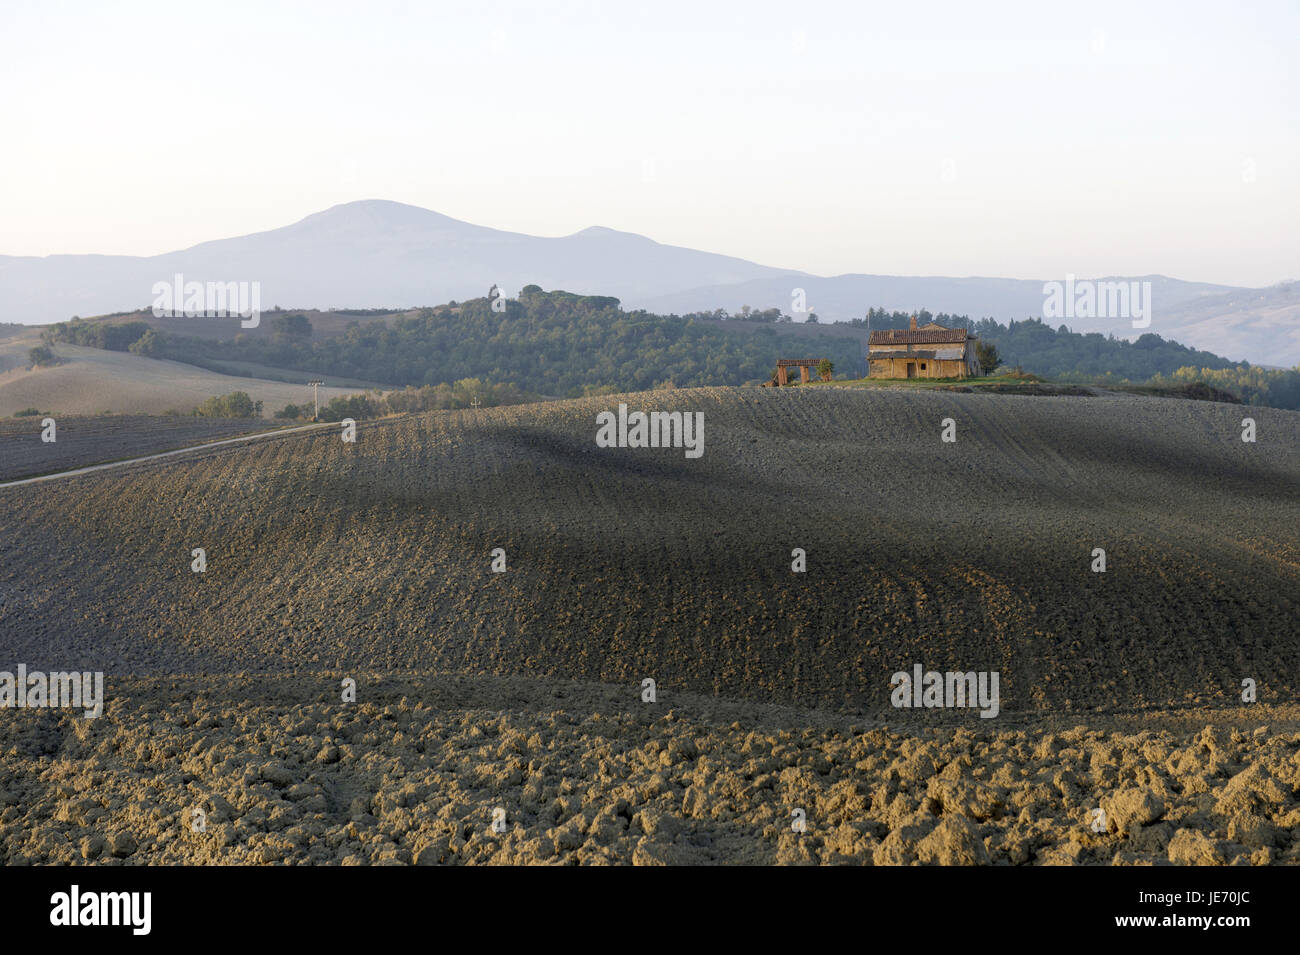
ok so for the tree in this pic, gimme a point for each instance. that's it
(237, 404)
(988, 356)
(826, 368)
(812, 318)
(42, 357)
(146, 345)
(293, 326)
(356, 407)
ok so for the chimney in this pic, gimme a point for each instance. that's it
(913, 326)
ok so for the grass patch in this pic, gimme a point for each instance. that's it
(1012, 383)
(1023, 383)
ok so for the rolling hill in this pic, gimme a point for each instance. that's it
(362, 255)
(93, 380)
(519, 695)
(629, 563)
(376, 253)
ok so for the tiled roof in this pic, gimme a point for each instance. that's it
(921, 336)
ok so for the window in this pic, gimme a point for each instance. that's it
(923, 366)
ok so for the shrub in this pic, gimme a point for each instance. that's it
(237, 404)
(146, 345)
(988, 356)
(1019, 374)
(356, 407)
(42, 357)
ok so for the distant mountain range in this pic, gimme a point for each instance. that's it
(377, 253)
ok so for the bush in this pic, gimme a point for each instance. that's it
(104, 335)
(146, 345)
(826, 368)
(290, 411)
(237, 404)
(988, 356)
(355, 407)
(42, 357)
(29, 413)
(1019, 374)
(444, 396)
(291, 327)
(1251, 384)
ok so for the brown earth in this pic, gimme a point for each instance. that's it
(242, 770)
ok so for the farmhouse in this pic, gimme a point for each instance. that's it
(930, 351)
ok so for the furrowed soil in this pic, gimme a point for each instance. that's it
(522, 690)
(81, 441)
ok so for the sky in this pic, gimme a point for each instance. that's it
(1023, 140)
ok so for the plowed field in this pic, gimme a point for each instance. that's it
(374, 559)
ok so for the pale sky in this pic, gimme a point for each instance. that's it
(1000, 139)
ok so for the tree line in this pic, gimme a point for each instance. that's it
(555, 344)
(559, 344)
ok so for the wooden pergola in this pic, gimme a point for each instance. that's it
(803, 364)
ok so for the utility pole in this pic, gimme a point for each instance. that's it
(315, 392)
(867, 359)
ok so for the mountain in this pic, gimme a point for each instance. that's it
(841, 297)
(368, 254)
(1259, 325)
(377, 253)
